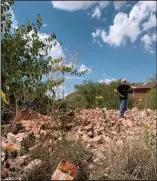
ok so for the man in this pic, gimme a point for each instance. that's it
(122, 90)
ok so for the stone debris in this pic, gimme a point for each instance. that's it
(4, 173)
(93, 128)
(3, 156)
(65, 171)
(32, 165)
(96, 128)
(14, 144)
(33, 121)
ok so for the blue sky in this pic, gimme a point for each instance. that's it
(113, 39)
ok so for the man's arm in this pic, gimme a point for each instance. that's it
(118, 93)
(133, 87)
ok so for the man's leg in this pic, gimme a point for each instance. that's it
(122, 107)
(125, 105)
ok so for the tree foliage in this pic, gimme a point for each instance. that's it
(152, 99)
(87, 94)
(26, 59)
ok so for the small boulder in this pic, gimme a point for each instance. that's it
(32, 165)
(4, 173)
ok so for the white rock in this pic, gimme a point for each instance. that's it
(32, 165)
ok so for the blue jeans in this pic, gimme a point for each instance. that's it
(123, 106)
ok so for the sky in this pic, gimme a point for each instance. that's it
(111, 40)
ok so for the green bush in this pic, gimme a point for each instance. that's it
(152, 99)
(87, 95)
(141, 105)
(75, 101)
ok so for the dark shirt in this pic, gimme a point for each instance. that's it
(123, 90)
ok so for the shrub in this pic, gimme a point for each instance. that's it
(141, 105)
(152, 99)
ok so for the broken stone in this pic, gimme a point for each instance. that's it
(100, 154)
(22, 159)
(102, 148)
(13, 165)
(127, 123)
(80, 132)
(60, 138)
(113, 132)
(90, 176)
(65, 171)
(4, 173)
(34, 147)
(90, 134)
(96, 160)
(105, 176)
(11, 137)
(32, 165)
(97, 139)
(12, 150)
(88, 128)
(85, 138)
(91, 166)
(105, 139)
(119, 143)
(107, 170)
(3, 156)
(20, 142)
(43, 132)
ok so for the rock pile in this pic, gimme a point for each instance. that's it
(97, 127)
(33, 121)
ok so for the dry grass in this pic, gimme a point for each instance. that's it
(52, 151)
(135, 160)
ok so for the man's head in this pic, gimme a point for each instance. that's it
(123, 81)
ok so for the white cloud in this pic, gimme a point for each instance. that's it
(150, 23)
(83, 68)
(148, 41)
(119, 4)
(128, 26)
(7, 13)
(44, 25)
(96, 12)
(122, 29)
(55, 51)
(73, 5)
(103, 4)
(14, 21)
(107, 81)
(96, 34)
(60, 91)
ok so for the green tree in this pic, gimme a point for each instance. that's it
(25, 60)
(152, 99)
(89, 93)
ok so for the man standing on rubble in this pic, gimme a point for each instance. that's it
(122, 91)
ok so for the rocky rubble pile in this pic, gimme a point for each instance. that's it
(33, 121)
(97, 127)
